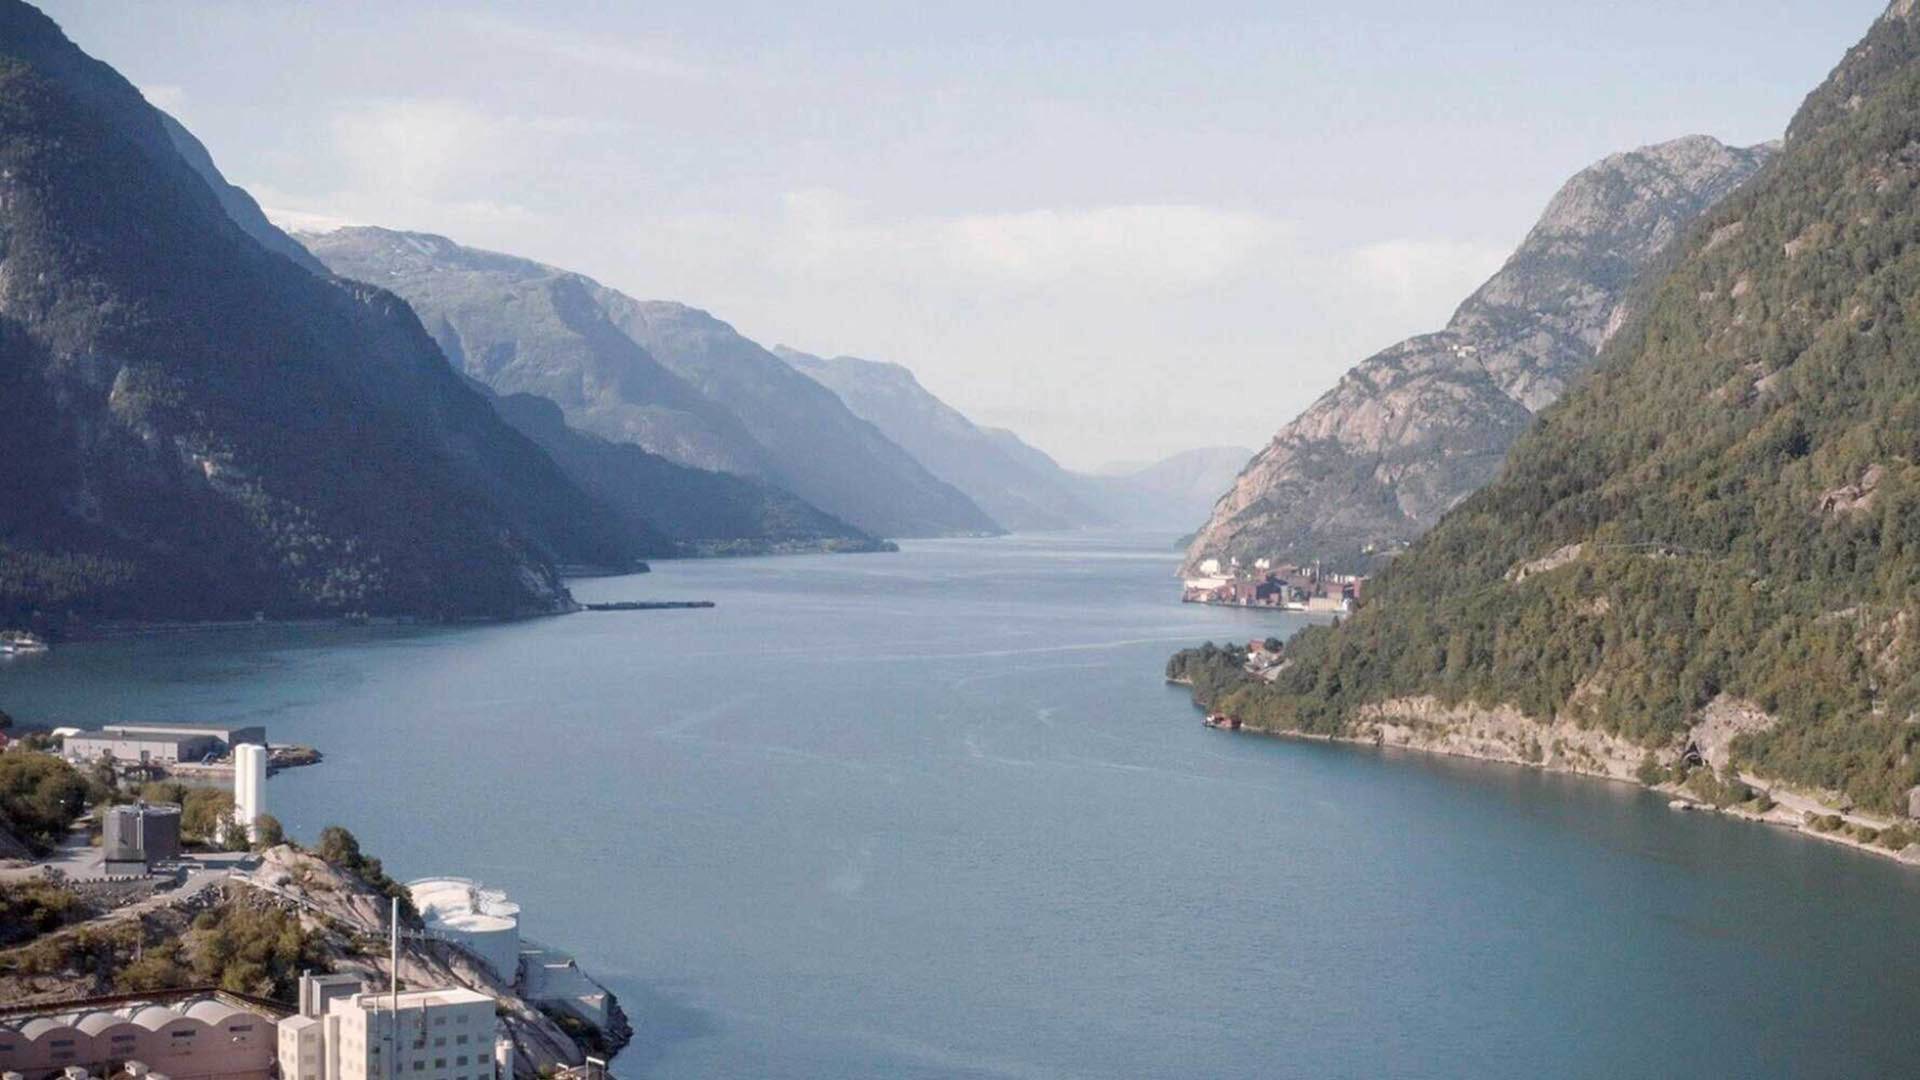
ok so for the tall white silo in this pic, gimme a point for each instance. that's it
(249, 786)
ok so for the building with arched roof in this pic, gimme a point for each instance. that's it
(186, 1035)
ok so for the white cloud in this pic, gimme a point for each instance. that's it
(413, 147)
(441, 164)
(1018, 315)
(1136, 249)
(293, 220)
(648, 58)
(165, 96)
(1173, 246)
(1415, 271)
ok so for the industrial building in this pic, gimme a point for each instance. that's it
(159, 744)
(134, 837)
(447, 1034)
(551, 977)
(184, 1035)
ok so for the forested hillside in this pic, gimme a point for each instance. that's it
(1730, 507)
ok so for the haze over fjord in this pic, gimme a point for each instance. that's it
(1073, 231)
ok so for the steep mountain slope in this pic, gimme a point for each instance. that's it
(820, 450)
(521, 327)
(706, 513)
(1026, 492)
(1410, 431)
(1724, 519)
(239, 205)
(688, 388)
(196, 426)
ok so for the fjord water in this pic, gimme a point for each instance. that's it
(936, 814)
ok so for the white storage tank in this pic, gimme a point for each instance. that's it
(249, 786)
(482, 920)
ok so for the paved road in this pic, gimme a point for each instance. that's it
(76, 857)
(77, 860)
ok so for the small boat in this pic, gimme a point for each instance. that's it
(13, 642)
(1222, 720)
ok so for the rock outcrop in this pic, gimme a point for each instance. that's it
(353, 921)
(1414, 429)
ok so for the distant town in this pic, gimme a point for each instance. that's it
(1265, 583)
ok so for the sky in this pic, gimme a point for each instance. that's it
(1121, 229)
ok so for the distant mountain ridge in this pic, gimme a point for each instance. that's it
(1021, 487)
(662, 375)
(519, 326)
(200, 427)
(1171, 493)
(1411, 431)
(704, 513)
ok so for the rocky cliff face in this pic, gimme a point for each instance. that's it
(1021, 488)
(1414, 429)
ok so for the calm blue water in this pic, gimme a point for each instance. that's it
(935, 814)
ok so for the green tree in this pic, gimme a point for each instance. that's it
(233, 835)
(341, 849)
(204, 814)
(156, 968)
(268, 832)
(164, 791)
(40, 796)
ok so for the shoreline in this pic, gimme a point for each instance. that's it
(1679, 799)
(81, 631)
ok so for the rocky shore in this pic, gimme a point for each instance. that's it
(1507, 736)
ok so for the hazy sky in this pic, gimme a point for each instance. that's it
(1122, 229)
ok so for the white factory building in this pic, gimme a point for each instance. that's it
(343, 1033)
(158, 744)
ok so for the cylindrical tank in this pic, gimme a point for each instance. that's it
(160, 831)
(141, 832)
(481, 920)
(120, 834)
